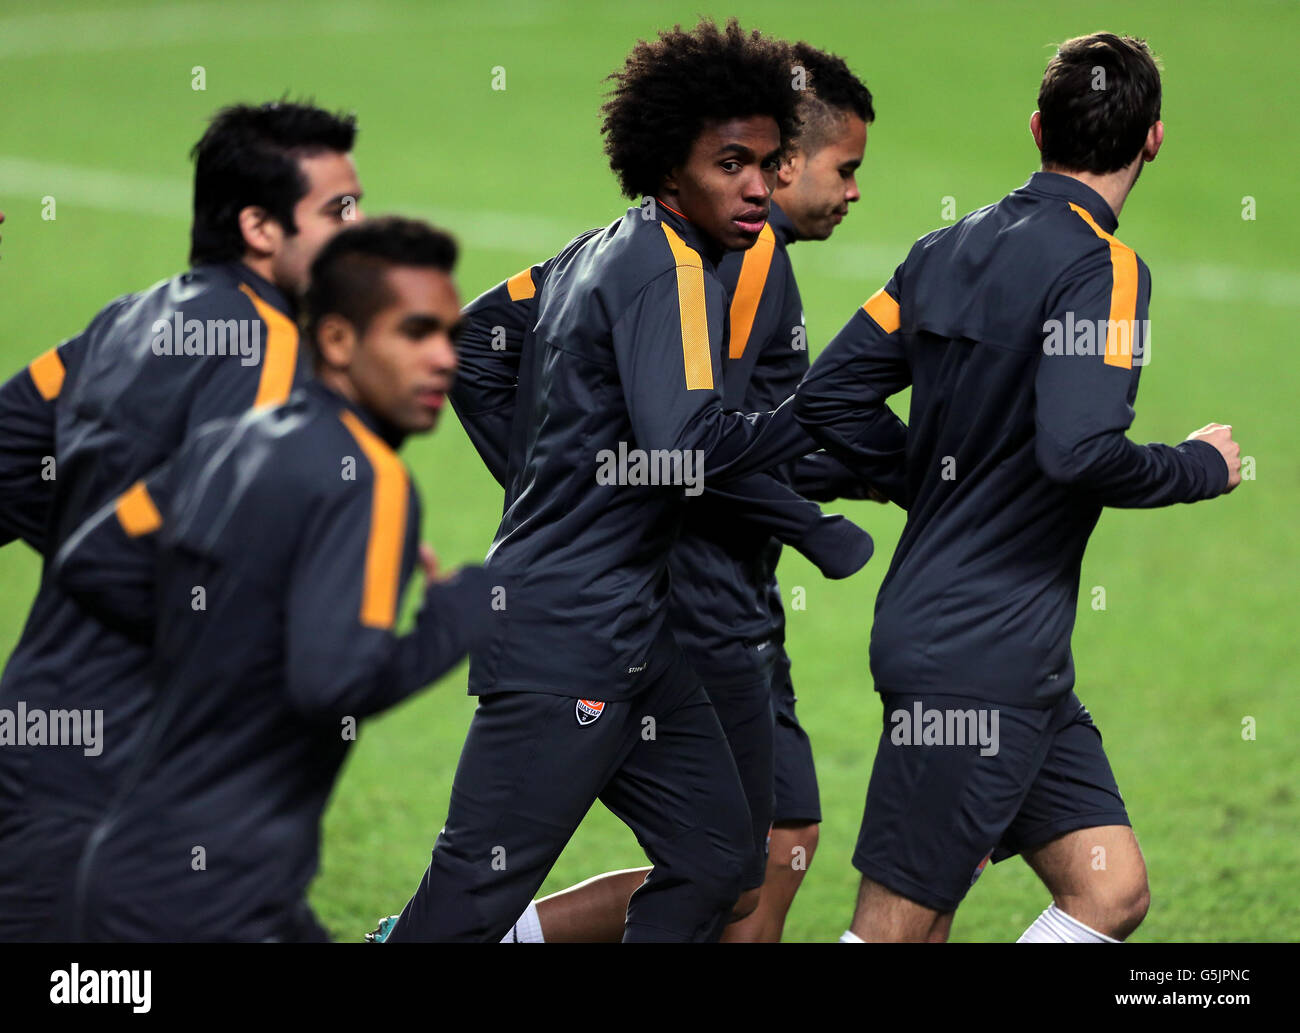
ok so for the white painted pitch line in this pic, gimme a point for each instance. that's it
(537, 236)
(91, 30)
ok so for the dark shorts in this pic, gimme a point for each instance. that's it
(745, 712)
(795, 775)
(533, 764)
(936, 810)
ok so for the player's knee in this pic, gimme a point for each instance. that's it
(717, 874)
(1130, 906)
(1115, 905)
(746, 904)
(1127, 896)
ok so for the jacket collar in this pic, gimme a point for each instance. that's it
(687, 230)
(327, 396)
(1067, 188)
(782, 227)
(237, 272)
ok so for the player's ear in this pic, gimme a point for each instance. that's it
(336, 341)
(789, 168)
(670, 183)
(262, 234)
(1155, 138)
(1036, 128)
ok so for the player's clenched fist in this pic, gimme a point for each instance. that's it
(1220, 436)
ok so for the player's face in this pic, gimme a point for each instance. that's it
(403, 366)
(725, 187)
(332, 201)
(823, 184)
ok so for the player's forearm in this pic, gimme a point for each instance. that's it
(862, 434)
(734, 445)
(26, 450)
(822, 477)
(1117, 472)
(456, 618)
(485, 391)
(834, 544)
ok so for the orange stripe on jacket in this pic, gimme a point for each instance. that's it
(749, 290)
(47, 374)
(136, 511)
(520, 287)
(695, 318)
(884, 310)
(1123, 296)
(387, 538)
(280, 357)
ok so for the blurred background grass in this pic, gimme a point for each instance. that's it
(99, 112)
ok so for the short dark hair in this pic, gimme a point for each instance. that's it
(832, 93)
(669, 90)
(249, 156)
(1099, 97)
(348, 276)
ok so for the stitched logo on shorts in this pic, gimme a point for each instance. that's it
(588, 710)
(979, 868)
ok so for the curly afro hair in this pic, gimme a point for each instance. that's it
(671, 89)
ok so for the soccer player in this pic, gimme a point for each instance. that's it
(300, 525)
(1022, 330)
(726, 610)
(272, 184)
(588, 696)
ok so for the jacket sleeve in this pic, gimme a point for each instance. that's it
(767, 356)
(485, 391)
(668, 348)
(767, 508)
(669, 366)
(841, 402)
(27, 443)
(343, 657)
(110, 563)
(823, 478)
(1084, 397)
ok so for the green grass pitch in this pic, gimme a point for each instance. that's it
(1198, 631)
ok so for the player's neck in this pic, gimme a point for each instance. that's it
(261, 266)
(341, 384)
(1113, 187)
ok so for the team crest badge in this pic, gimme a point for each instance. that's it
(588, 710)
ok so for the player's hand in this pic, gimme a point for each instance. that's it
(429, 564)
(875, 496)
(1220, 436)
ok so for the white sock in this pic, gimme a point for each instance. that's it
(1055, 926)
(851, 937)
(528, 929)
